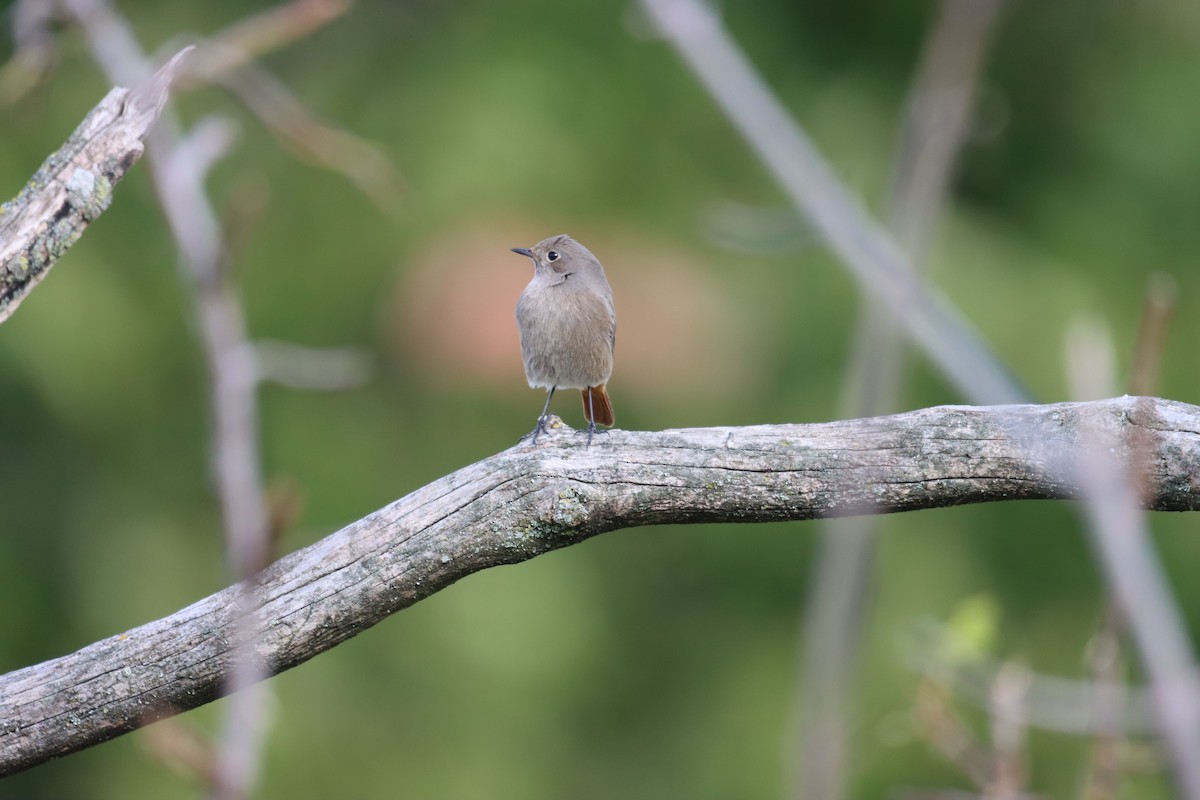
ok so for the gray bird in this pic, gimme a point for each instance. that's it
(568, 327)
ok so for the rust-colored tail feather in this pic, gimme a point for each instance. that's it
(600, 403)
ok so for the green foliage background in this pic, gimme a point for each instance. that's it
(648, 663)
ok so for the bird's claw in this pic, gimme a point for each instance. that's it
(591, 431)
(538, 430)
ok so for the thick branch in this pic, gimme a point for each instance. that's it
(74, 185)
(528, 500)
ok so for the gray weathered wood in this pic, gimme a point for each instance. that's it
(74, 185)
(529, 500)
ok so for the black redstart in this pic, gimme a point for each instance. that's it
(568, 327)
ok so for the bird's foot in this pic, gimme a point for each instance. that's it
(591, 431)
(541, 427)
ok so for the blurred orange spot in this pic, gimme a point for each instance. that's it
(676, 332)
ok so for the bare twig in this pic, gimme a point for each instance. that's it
(936, 718)
(253, 37)
(1157, 311)
(227, 58)
(1052, 703)
(362, 162)
(312, 368)
(528, 500)
(184, 749)
(935, 126)
(179, 165)
(34, 55)
(1089, 360)
(1103, 772)
(1007, 778)
(1103, 769)
(1114, 488)
(871, 255)
(937, 120)
(880, 267)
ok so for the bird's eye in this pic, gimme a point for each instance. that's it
(552, 255)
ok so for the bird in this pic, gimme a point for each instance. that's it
(568, 328)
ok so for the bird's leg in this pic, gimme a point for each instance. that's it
(541, 423)
(591, 431)
(591, 418)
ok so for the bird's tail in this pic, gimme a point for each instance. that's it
(599, 403)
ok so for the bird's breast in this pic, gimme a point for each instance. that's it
(566, 335)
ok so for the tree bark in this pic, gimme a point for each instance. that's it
(529, 500)
(74, 185)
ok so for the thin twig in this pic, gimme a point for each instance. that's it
(871, 255)
(1114, 489)
(1157, 310)
(1052, 703)
(248, 39)
(880, 267)
(34, 54)
(935, 717)
(935, 126)
(1008, 698)
(315, 369)
(228, 59)
(362, 162)
(179, 166)
(1103, 771)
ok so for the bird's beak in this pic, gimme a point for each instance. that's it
(524, 251)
